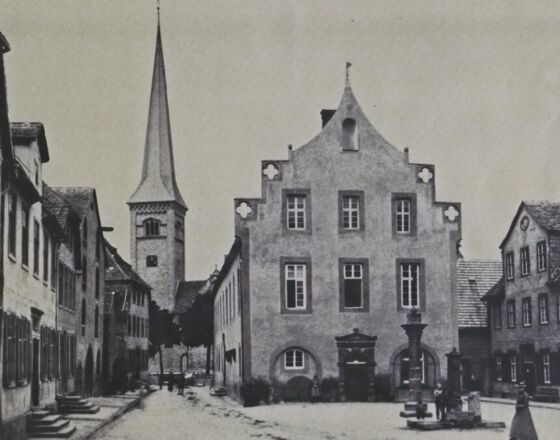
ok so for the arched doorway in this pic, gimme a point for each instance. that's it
(88, 373)
(79, 378)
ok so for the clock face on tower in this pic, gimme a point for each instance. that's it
(524, 223)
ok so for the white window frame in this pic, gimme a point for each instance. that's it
(510, 265)
(526, 312)
(513, 367)
(499, 373)
(293, 364)
(296, 272)
(541, 256)
(356, 272)
(524, 261)
(546, 367)
(406, 281)
(402, 215)
(295, 209)
(351, 212)
(543, 309)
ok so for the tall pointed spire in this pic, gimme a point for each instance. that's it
(158, 172)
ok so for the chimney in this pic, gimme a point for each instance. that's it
(326, 116)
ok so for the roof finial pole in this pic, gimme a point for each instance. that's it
(348, 65)
(158, 12)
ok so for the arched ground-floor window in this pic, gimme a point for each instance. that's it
(401, 369)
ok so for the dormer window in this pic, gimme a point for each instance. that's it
(151, 227)
(349, 135)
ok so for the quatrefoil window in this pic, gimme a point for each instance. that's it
(425, 175)
(451, 213)
(271, 171)
(244, 209)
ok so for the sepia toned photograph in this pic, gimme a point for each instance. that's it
(300, 219)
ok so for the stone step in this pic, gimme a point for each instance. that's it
(88, 410)
(39, 414)
(410, 414)
(63, 433)
(74, 402)
(46, 420)
(51, 427)
(70, 397)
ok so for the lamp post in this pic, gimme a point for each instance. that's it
(414, 328)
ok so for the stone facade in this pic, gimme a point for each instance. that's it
(125, 325)
(524, 307)
(89, 289)
(347, 234)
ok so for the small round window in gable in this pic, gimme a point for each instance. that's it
(349, 134)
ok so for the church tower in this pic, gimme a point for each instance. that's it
(157, 210)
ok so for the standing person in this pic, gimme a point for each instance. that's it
(181, 384)
(171, 381)
(160, 380)
(315, 390)
(439, 400)
(522, 427)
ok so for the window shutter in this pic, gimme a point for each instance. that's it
(506, 370)
(554, 368)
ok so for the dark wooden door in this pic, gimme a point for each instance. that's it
(356, 382)
(35, 374)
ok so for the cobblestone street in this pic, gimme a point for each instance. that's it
(200, 416)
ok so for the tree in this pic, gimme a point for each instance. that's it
(197, 325)
(162, 332)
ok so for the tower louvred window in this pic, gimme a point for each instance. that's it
(151, 227)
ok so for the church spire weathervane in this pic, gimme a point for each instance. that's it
(348, 65)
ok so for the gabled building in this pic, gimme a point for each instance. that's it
(524, 306)
(346, 238)
(474, 279)
(90, 277)
(125, 324)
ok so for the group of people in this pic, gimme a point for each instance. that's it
(171, 382)
(522, 426)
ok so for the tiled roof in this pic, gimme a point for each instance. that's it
(117, 269)
(57, 205)
(186, 293)
(474, 279)
(496, 291)
(31, 130)
(547, 214)
(80, 198)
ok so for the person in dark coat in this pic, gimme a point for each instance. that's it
(181, 384)
(439, 399)
(171, 381)
(522, 427)
(315, 390)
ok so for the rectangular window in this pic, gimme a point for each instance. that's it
(525, 260)
(409, 279)
(45, 255)
(509, 266)
(541, 256)
(402, 215)
(511, 313)
(151, 261)
(513, 367)
(295, 289)
(499, 367)
(351, 212)
(497, 311)
(543, 309)
(546, 367)
(526, 311)
(353, 285)
(24, 235)
(12, 209)
(54, 265)
(294, 360)
(36, 244)
(295, 211)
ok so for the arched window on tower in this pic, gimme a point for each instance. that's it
(84, 233)
(151, 227)
(96, 334)
(349, 135)
(179, 229)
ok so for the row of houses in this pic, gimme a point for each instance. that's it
(346, 238)
(73, 314)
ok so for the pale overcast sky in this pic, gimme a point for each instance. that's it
(473, 88)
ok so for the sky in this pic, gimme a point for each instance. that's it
(472, 87)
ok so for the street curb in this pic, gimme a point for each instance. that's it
(512, 403)
(112, 418)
